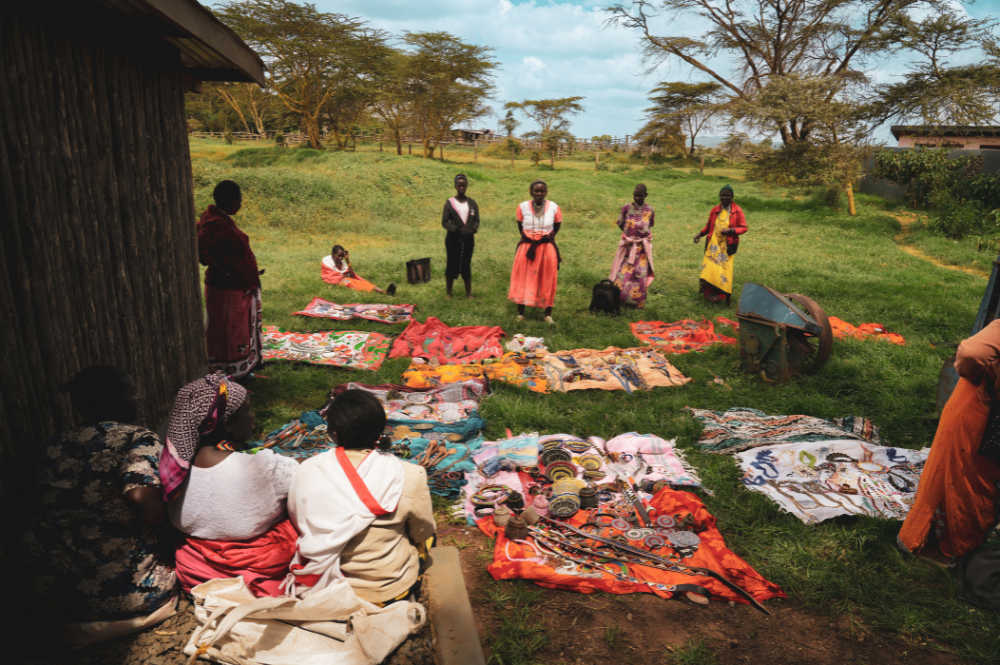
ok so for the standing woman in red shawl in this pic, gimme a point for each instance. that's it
(232, 286)
(535, 275)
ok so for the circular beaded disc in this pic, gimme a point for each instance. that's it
(423, 426)
(454, 437)
(653, 541)
(634, 534)
(665, 521)
(664, 532)
(684, 539)
(620, 524)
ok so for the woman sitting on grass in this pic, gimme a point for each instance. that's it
(337, 270)
(632, 270)
(95, 543)
(231, 505)
(957, 499)
(364, 515)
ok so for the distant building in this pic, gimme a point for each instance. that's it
(956, 137)
(473, 134)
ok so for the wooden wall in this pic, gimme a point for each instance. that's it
(98, 253)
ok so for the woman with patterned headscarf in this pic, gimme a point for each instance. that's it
(231, 505)
(95, 541)
(535, 275)
(726, 223)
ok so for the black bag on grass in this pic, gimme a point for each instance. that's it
(607, 298)
(418, 270)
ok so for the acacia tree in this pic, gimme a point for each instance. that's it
(552, 116)
(310, 55)
(247, 100)
(451, 82)
(660, 134)
(690, 106)
(932, 92)
(769, 39)
(395, 101)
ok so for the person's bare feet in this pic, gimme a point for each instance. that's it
(470, 297)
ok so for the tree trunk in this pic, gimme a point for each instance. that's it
(702, 167)
(399, 146)
(691, 153)
(475, 154)
(512, 158)
(597, 159)
(649, 151)
(850, 200)
(552, 158)
(312, 126)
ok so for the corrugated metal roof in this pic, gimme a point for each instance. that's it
(207, 46)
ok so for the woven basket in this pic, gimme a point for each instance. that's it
(517, 529)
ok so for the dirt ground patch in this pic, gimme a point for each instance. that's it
(907, 218)
(645, 629)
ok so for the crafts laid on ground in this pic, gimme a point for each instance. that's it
(435, 340)
(353, 349)
(446, 404)
(682, 336)
(610, 369)
(741, 428)
(842, 329)
(324, 309)
(514, 368)
(822, 479)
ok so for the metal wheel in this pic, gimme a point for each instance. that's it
(819, 347)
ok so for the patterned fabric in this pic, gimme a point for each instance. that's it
(353, 349)
(200, 407)
(324, 309)
(233, 335)
(717, 267)
(530, 375)
(741, 428)
(842, 330)
(822, 479)
(434, 339)
(611, 369)
(529, 560)
(95, 560)
(682, 336)
(661, 459)
(632, 269)
(445, 404)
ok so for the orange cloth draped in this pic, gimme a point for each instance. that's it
(956, 479)
(331, 276)
(261, 561)
(511, 560)
(842, 329)
(533, 283)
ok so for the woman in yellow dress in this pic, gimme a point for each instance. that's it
(726, 223)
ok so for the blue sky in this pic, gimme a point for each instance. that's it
(550, 49)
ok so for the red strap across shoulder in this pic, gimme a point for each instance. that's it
(359, 485)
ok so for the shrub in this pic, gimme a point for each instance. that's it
(228, 137)
(927, 173)
(279, 140)
(501, 150)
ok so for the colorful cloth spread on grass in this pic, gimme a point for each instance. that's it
(537, 558)
(842, 330)
(822, 479)
(324, 309)
(682, 336)
(433, 339)
(446, 404)
(741, 428)
(530, 375)
(610, 369)
(353, 349)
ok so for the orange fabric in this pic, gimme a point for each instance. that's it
(681, 336)
(331, 276)
(956, 479)
(843, 329)
(979, 355)
(533, 283)
(505, 369)
(712, 553)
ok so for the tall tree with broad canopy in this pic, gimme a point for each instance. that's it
(933, 92)
(691, 106)
(769, 39)
(310, 55)
(552, 116)
(396, 83)
(451, 82)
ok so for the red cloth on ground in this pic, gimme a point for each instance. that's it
(434, 339)
(262, 562)
(712, 553)
(226, 251)
(842, 329)
(681, 336)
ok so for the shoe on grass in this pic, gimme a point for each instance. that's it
(549, 320)
(520, 317)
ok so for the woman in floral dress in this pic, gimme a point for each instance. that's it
(632, 271)
(94, 543)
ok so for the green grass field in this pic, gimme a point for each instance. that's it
(386, 210)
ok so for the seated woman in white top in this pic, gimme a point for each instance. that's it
(231, 505)
(336, 269)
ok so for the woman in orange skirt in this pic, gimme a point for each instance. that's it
(535, 275)
(955, 502)
(337, 270)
